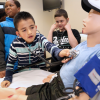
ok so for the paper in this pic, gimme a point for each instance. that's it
(28, 78)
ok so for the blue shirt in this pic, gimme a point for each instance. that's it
(70, 68)
(9, 33)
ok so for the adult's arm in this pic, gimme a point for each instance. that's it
(2, 54)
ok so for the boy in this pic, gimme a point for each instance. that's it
(28, 41)
(65, 37)
(92, 24)
(12, 7)
(53, 90)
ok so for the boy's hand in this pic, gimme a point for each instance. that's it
(67, 26)
(5, 84)
(2, 74)
(63, 53)
(53, 27)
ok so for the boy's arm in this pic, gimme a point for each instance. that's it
(53, 49)
(2, 54)
(53, 27)
(74, 37)
(77, 35)
(12, 58)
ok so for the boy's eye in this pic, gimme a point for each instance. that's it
(11, 5)
(61, 21)
(57, 21)
(23, 30)
(8, 6)
(32, 27)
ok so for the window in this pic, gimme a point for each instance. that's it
(2, 5)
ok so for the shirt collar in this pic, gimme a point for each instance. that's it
(9, 19)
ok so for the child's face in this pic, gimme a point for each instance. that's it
(61, 22)
(27, 30)
(91, 23)
(11, 9)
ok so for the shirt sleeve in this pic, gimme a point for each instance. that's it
(98, 54)
(77, 35)
(51, 48)
(2, 51)
(12, 58)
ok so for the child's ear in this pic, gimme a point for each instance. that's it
(17, 33)
(36, 26)
(67, 20)
(18, 9)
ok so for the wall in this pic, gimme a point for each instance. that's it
(2, 0)
(75, 12)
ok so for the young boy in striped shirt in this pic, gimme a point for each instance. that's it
(28, 41)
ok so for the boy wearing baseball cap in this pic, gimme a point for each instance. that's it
(92, 28)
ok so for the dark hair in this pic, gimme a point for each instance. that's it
(2, 13)
(61, 12)
(22, 16)
(17, 3)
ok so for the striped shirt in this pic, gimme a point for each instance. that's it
(19, 51)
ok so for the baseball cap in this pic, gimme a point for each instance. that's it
(87, 5)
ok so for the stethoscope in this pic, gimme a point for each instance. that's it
(73, 54)
(71, 94)
(43, 60)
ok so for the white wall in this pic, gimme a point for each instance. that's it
(75, 12)
(2, 0)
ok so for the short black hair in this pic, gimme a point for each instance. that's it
(2, 13)
(61, 12)
(17, 3)
(22, 16)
